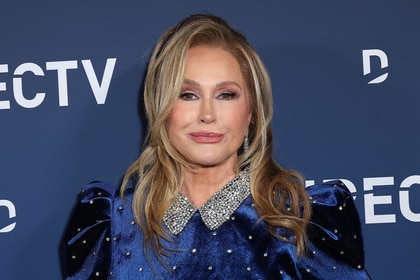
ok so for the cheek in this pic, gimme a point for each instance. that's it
(240, 117)
(178, 118)
(172, 123)
(175, 116)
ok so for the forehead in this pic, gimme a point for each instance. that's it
(212, 63)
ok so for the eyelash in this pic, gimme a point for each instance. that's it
(188, 96)
(226, 95)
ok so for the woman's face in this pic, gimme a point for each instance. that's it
(209, 120)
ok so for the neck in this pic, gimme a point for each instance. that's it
(202, 183)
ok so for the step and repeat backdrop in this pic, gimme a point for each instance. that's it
(346, 79)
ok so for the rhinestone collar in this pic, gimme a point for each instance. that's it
(215, 211)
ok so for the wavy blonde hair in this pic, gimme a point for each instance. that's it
(279, 195)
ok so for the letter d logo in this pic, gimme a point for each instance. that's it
(12, 213)
(367, 54)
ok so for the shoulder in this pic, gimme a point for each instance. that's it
(94, 197)
(335, 223)
(328, 191)
(94, 204)
(333, 204)
(98, 195)
(97, 190)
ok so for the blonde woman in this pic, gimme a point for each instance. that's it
(206, 200)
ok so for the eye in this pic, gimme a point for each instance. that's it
(227, 95)
(188, 96)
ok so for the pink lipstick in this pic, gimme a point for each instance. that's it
(206, 137)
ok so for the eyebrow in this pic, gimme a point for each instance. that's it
(221, 84)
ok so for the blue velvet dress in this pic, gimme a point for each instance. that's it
(223, 239)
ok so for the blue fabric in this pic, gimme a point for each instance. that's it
(103, 242)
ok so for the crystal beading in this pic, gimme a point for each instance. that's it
(215, 211)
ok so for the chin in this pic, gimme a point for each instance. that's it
(208, 162)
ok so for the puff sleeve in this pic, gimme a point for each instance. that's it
(335, 236)
(87, 238)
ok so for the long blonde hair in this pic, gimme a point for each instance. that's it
(278, 194)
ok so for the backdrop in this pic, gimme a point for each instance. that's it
(346, 78)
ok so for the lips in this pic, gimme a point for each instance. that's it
(206, 137)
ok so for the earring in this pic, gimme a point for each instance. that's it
(246, 142)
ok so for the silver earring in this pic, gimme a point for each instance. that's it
(246, 142)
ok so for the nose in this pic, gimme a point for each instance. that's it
(207, 113)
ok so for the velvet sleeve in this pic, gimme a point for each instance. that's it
(335, 225)
(87, 238)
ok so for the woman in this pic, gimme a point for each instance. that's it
(206, 200)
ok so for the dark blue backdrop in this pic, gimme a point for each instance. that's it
(333, 118)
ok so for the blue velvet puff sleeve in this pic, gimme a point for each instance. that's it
(87, 239)
(335, 247)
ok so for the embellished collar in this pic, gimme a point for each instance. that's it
(215, 211)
